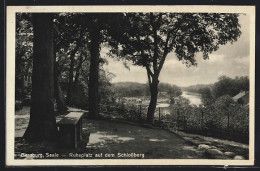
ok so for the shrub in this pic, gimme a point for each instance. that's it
(224, 118)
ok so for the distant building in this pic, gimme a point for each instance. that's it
(242, 97)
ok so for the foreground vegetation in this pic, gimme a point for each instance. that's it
(224, 118)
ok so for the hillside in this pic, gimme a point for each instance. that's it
(197, 88)
(131, 89)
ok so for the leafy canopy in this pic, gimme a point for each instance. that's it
(147, 38)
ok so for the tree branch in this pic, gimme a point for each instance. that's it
(143, 57)
(149, 77)
(149, 46)
(155, 57)
(149, 70)
(165, 52)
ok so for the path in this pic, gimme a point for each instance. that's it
(113, 137)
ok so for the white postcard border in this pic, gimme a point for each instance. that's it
(10, 83)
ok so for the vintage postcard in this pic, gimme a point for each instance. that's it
(130, 85)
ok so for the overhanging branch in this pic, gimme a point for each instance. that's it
(155, 57)
(165, 52)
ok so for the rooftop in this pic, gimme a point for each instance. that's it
(239, 95)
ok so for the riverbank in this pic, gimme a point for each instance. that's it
(195, 98)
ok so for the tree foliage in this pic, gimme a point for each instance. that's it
(23, 52)
(224, 86)
(134, 89)
(172, 90)
(71, 51)
(147, 38)
(229, 86)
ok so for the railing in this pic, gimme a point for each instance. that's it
(193, 121)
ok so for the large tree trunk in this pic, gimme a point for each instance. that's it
(72, 63)
(71, 75)
(76, 81)
(61, 105)
(153, 101)
(42, 124)
(94, 69)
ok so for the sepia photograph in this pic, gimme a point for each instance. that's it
(130, 85)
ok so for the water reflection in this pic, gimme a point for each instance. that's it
(194, 98)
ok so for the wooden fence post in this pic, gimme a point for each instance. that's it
(202, 119)
(228, 123)
(159, 116)
(178, 119)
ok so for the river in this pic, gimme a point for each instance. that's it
(195, 98)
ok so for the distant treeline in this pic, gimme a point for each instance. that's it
(197, 88)
(224, 86)
(133, 89)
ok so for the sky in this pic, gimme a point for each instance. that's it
(230, 60)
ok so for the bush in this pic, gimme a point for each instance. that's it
(224, 118)
(123, 111)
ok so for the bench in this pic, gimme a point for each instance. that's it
(70, 129)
